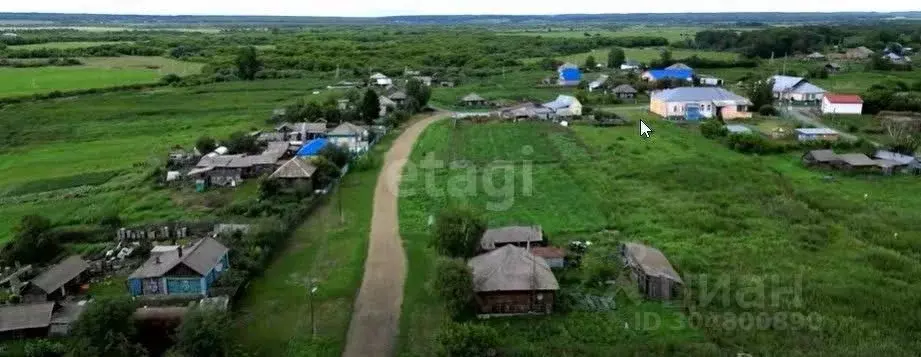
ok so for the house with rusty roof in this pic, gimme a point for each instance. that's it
(511, 281)
(185, 270)
(58, 281)
(521, 236)
(654, 275)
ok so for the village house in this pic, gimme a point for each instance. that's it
(812, 134)
(909, 164)
(554, 256)
(597, 83)
(832, 67)
(842, 104)
(654, 275)
(58, 281)
(624, 91)
(512, 281)
(380, 80)
(525, 111)
(522, 236)
(565, 106)
(855, 162)
(398, 97)
(297, 171)
(672, 74)
(180, 270)
(568, 75)
(230, 170)
(386, 105)
(631, 65)
(825, 158)
(312, 148)
(859, 53)
(301, 131)
(710, 81)
(695, 103)
(796, 89)
(351, 137)
(474, 100)
(426, 80)
(36, 320)
(897, 59)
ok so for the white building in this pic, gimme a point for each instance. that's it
(630, 65)
(350, 136)
(796, 89)
(565, 106)
(842, 104)
(379, 79)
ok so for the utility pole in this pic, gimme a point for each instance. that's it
(311, 290)
(339, 196)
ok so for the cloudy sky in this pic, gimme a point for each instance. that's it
(438, 7)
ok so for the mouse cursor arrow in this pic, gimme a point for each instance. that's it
(644, 129)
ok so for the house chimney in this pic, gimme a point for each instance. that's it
(180, 251)
(157, 259)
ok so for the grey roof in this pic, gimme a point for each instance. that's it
(651, 261)
(823, 155)
(738, 129)
(567, 65)
(806, 87)
(398, 95)
(201, 256)
(785, 83)
(68, 313)
(598, 82)
(862, 50)
(318, 128)
(384, 101)
(347, 129)
(817, 131)
(815, 55)
(894, 156)
(511, 268)
(276, 149)
(298, 167)
(701, 94)
(857, 159)
(59, 274)
(679, 66)
(472, 97)
(378, 76)
(624, 88)
(25, 316)
(511, 234)
(561, 101)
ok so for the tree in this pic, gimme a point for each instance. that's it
(666, 58)
(616, 57)
(203, 333)
(326, 172)
(417, 90)
(713, 129)
(761, 93)
(248, 63)
(241, 143)
(370, 107)
(458, 232)
(590, 63)
(467, 339)
(335, 154)
(32, 242)
(268, 188)
(44, 348)
(205, 144)
(454, 284)
(106, 329)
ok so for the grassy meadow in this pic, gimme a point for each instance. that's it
(671, 33)
(97, 72)
(66, 45)
(844, 251)
(77, 159)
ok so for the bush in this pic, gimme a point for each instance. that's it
(203, 333)
(466, 340)
(767, 110)
(44, 348)
(454, 284)
(753, 144)
(458, 232)
(712, 129)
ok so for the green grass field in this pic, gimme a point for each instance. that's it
(845, 251)
(76, 159)
(97, 72)
(673, 34)
(65, 45)
(644, 55)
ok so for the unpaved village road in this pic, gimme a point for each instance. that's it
(376, 316)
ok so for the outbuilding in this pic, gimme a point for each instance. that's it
(58, 281)
(522, 236)
(654, 275)
(512, 281)
(842, 104)
(812, 134)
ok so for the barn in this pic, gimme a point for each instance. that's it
(655, 277)
(842, 104)
(512, 281)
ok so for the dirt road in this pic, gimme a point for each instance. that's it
(376, 316)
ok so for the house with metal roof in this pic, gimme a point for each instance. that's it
(653, 75)
(812, 134)
(680, 66)
(312, 147)
(379, 79)
(351, 137)
(655, 277)
(569, 75)
(597, 83)
(25, 320)
(565, 106)
(522, 236)
(474, 100)
(696, 103)
(796, 89)
(58, 281)
(510, 281)
(186, 270)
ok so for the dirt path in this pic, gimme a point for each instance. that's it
(376, 318)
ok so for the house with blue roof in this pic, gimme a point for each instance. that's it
(312, 147)
(673, 74)
(796, 89)
(569, 75)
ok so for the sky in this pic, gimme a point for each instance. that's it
(360, 8)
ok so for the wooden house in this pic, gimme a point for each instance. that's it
(511, 281)
(654, 275)
(521, 236)
(297, 171)
(624, 91)
(58, 281)
(474, 100)
(189, 270)
(825, 158)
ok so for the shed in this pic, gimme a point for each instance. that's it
(510, 280)
(554, 256)
(473, 99)
(654, 275)
(398, 97)
(815, 56)
(810, 134)
(295, 169)
(624, 91)
(25, 320)
(855, 161)
(512, 235)
(820, 157)
(312, 147)
(55, 282)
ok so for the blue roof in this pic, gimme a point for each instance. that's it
(312, 147)
(571, 74)
(671, 73)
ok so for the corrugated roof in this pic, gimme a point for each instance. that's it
(561, 101)
(25, 316)
(679, 65)
(549, 252)
(59, 274)
(511, 234)
(511, 268)
(844, 98)
(854, 159)
(699, 94)
(658, 74)
(807, 88)
(347, 129)
(298, 167)
(651, 261)
(312, 147)
(201, 256)
(894, 156)
(738, 129)
(785, 83)
(816, 131)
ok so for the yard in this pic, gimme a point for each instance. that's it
(765, 225)
(97, 72)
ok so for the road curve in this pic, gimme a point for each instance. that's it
(376, 315)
